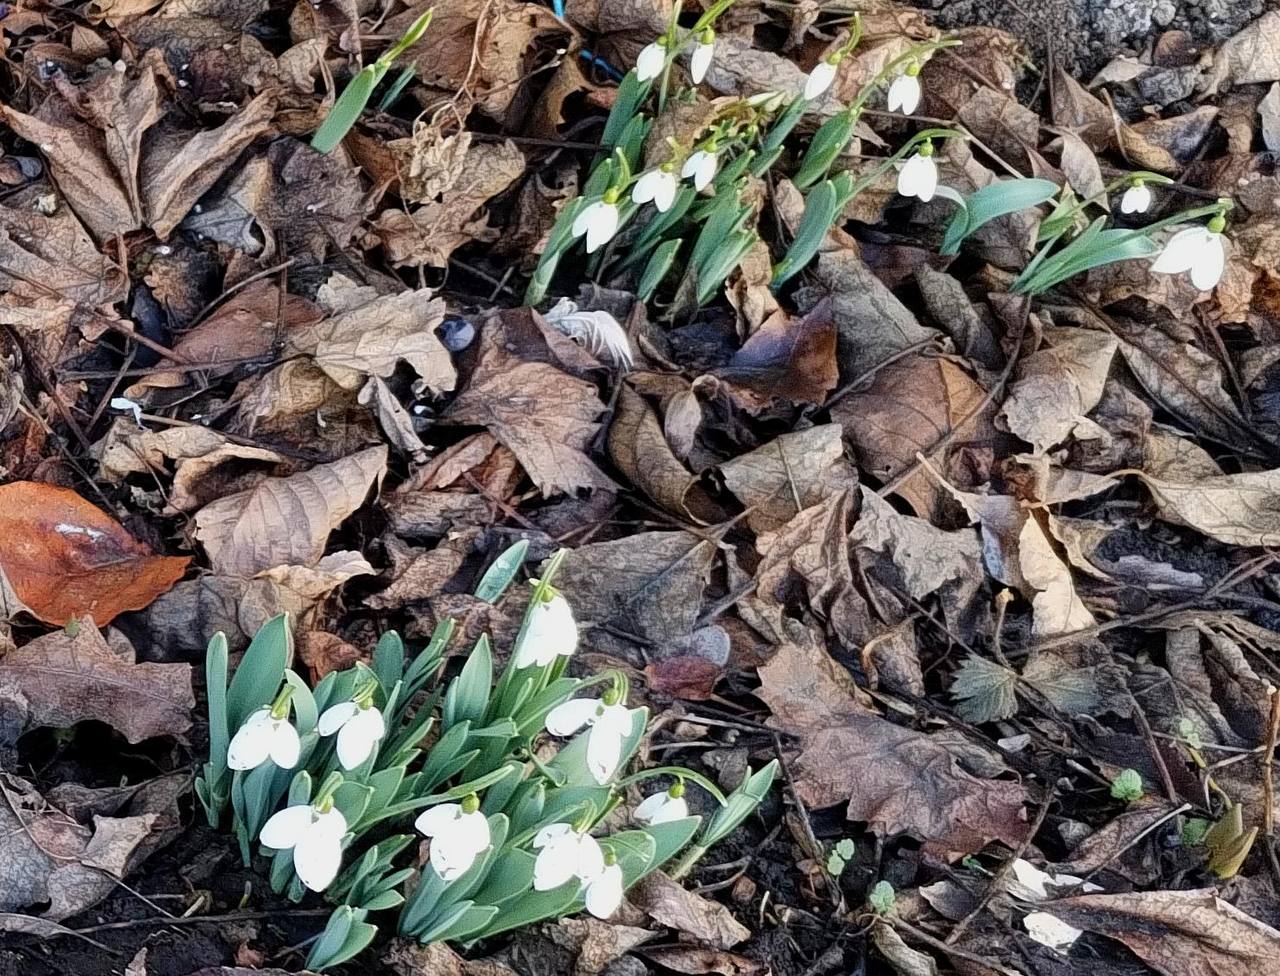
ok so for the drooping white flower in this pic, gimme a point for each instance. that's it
(261, 737)
(314, 836)
(659, 185)
(919, 177)
(1136, 199)
(563, 853)
(552, 630)
(458, 837)
(820, 79)
(661, 808)
(609, 725)
(700, 60)
(359, 728)
(904, 93)
(651, 61)
(599, 221)
(700, 167)
(1198, 250)
(604, 891)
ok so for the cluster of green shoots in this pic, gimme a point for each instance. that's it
(689, 216)
(339, 784)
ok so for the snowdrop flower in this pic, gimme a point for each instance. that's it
(651, 60)
(315, 835)
(700, 167)
(265, 734)
(459, 833)
(700, 59)
(565, 853)
(820, 79)
(659, 186)
(359, 726)
(599, 221)
(1197, 250)
(610, 722)
(604, 890)
(1136, 199)
(551, 632)
(662, 807)
(904, 93)
(919, 175)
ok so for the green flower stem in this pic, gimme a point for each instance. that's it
(677, 771)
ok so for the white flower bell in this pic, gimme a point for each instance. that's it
(700, 59)
(919, 175)
(315, 837)
(263, 736)
(700, 167)
(359, 727)
(459, 833)
(604, 891)
(659, 186)
(662, 807)
(1136, 199)
(599, 221)
(552, 633)
(1198, 250)
(819, 79)
(904, 93)
(610, 724)
(651, 61)
(564, 853)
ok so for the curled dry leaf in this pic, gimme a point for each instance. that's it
(1252, 56)
(671, 904)
(1237, 509)
(58, 680)
(787, 358)
(61, 557)
(286, 521)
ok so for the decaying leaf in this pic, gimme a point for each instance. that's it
(1238, 509)
(286, 521)
(61, 557)
(786, 359)
(671, 904)
(59, 679)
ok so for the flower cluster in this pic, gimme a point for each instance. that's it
(309, 773)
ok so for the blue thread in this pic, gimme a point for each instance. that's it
(601, 63)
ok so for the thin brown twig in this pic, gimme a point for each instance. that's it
(815, 847)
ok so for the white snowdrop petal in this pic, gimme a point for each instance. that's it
(602, 227)
(642, 192)
(336, 716)
(1136, 199)
(904, 94)
(567, 718)
(554, 866)
(552, 629)
(665, 195)
(604, 750)
(286, 747)
(435, 820)
(1207, 270)
(819, 80)
(550, 833)
(472, 832)
(918, 178)
(674, 809)
(700, 61)
(650, 62)
(317, 857)
(285, 828)
(589, 861)
(604, 893)
(648, 808)
(250, 746)
(583, 221)
(354, 746)
(331, 822)
(1181, 251)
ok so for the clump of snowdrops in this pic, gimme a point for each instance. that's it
(340, 784)
(688, 215)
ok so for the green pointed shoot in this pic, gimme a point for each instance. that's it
(820, 211)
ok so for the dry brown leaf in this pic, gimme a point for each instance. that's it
(1177, 933)
(413, 959)
(671, 904)
(904, 960)
(790, 473)
(649, 584)
(61, 557)
(1166, 145)
(180, 622)
(1237, 509)
(1075, 107)
(811, 554)
(59, 679)
(697, 961)
(596, 944)
(286, 521)
(371, 338)
(1058, 385)
(792, 359)
(918, 405)
(1252, 56)
(895, 779)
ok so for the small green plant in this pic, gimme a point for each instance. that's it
(1127, 786)
(840, 857)
(351, 103)
(882, 898)
(334, 783)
